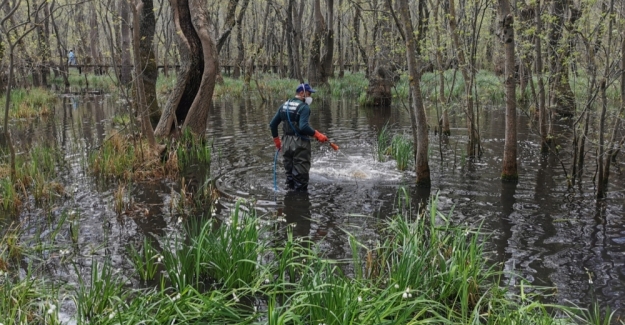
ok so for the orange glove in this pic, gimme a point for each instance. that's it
(320, 136)
(278, 143)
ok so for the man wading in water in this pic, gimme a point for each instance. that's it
(293, 115)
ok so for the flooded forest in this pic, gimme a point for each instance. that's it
(465, 167)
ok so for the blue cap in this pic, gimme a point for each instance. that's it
(303, 87)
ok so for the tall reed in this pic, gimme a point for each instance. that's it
(402, 151)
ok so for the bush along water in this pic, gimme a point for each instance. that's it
(251, 269)
(29, 103)
(124, 157)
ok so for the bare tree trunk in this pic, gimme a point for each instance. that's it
(61, 49)
(509, 171)
(601, 186)
(542, 109)
(43, 43)
(147, 59)
(198, 113)
(341, 61)
(562, 97)
(169, 35)
(37, 73)
(444, 123)
(83, 48)
(381, 80)
(141, 100)
(191, 98)
(229, 23)
(240, 48)
(94, 36)
(604, 171)
(421, 147)
(464, 68)
(238, 64)
(292, 45)
(315, 70)
(126, 72)
(7, 133)
(327, 59)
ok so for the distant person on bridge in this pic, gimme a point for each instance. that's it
(71, 58)
(293, 115)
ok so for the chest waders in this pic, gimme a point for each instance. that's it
(296, 154)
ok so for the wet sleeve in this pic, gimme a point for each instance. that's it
(273, 125)
(304, 127)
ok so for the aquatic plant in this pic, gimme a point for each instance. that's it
(382, 143)
(228, 254)
(115, 158)
(101, 296)
(28, 301)
(193, 150)
(402, 151)
(146, 260)
(11, 201)
(424, 269)
(119, 206)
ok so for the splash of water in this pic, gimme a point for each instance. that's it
(339, 165)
